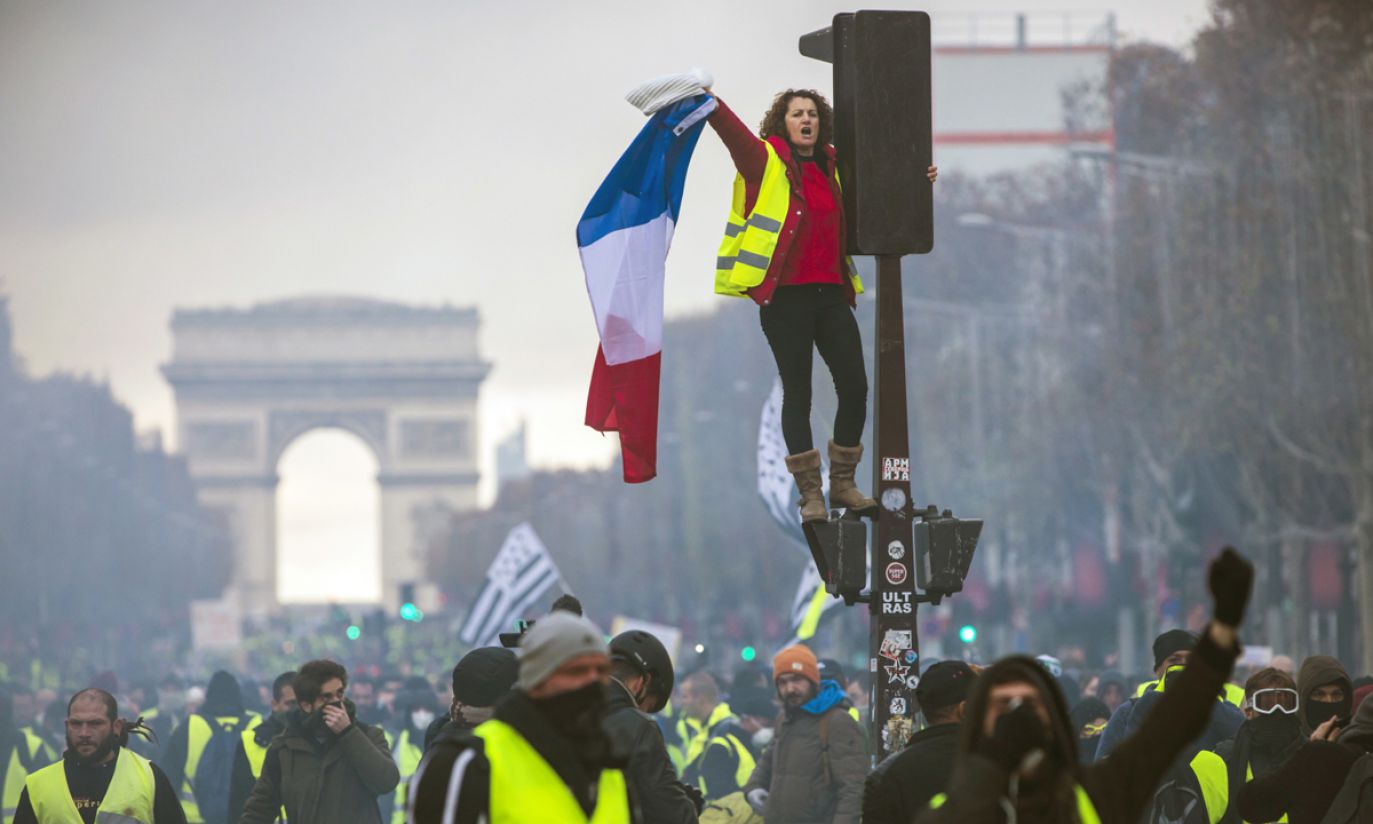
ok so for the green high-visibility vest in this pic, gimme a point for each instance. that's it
(407, 755)
(128, 799)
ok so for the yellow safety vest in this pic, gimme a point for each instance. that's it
(1233, 692)
(526, 790)
(14, 777)
(1249, 776)
(407, 756)
(676, 744)
(198, 735)
(1086, 810)
(128, 799)
(39, 750)
(1209, 769)
(707, 737)
(257, 756)
(746, 250)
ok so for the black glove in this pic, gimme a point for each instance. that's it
(1230, 579)
(1016, 734)
(694, 793)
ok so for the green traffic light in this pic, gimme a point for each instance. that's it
(967, 634)
(354, 632)
(410, 612)
(748, 653)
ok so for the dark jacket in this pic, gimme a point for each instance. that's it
(242, 780)
(1304, 786)
(322, 783)
(1318, 671)
(793, 767)
(1119, 787)
(904, 783)
(447, 768)
(650, 776)
(1248, 754)
(749, 154)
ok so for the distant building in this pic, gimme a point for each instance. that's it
(999, 83)
(510, 457)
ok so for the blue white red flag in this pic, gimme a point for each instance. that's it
(624, 236)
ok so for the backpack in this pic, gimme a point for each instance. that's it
(1178, 799)
(731, 809)
(215, 770)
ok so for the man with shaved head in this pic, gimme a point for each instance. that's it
(98, 776)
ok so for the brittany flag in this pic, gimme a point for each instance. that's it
(623, 236)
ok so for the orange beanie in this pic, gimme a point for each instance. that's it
(797, 659)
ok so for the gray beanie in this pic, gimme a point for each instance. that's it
(555, 639)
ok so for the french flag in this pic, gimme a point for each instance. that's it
(623, 236)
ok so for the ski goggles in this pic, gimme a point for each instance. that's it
(1269, 701)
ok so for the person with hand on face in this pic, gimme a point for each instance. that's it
(1017, 752)
(326, 766)
(641, 681)
(904, 783)
(814, 768)
(1326, 696)
(99, 778)
(545, 756)
(253, 743)
(785, 248)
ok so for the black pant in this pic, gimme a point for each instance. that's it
(799, 320)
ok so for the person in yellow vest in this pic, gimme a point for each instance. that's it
(719, 762)
(545, 756)
(20, 754)
(1017, 756)
(326, 766)
(784, 247)
(199, 756)
(99, 778)
(416, 709)
(253, 744)
(28, 706)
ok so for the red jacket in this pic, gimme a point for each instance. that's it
(750, 159)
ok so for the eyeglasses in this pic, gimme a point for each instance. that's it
(1269, 701)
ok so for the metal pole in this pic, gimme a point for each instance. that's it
(894, 647)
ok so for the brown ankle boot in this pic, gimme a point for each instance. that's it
(843, 492)
(805, 468)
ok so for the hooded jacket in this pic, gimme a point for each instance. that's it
(1305, 787)
(793, 767)
(1318, 671)
(1119, 787)
(904, 783)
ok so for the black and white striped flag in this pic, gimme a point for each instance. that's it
(775, 485)
(522, 572)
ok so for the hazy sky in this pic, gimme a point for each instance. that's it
(166, 154)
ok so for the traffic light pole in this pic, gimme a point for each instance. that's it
(893, 643)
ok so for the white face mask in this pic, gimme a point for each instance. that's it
(421, 719)
(762, 738)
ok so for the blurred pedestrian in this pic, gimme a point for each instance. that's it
(1270, 735)
(253, 743)
(199, 758)
(416, 709)
(718, 762)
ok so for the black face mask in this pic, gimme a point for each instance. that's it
(1274, 731)
(576, 714)
(314, 722)
(1318, 712)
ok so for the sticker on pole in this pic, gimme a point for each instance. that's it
(896, 551)
(897, 706)
(896, 469)
(896, 573)
(897, 673)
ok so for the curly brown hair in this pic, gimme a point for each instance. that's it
(774, 122)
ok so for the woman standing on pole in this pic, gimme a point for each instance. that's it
(784, 248)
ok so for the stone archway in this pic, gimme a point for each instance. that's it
(404, 379)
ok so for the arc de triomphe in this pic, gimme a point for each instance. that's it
(404, 379)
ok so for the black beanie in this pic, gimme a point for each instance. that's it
(1174, 640)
